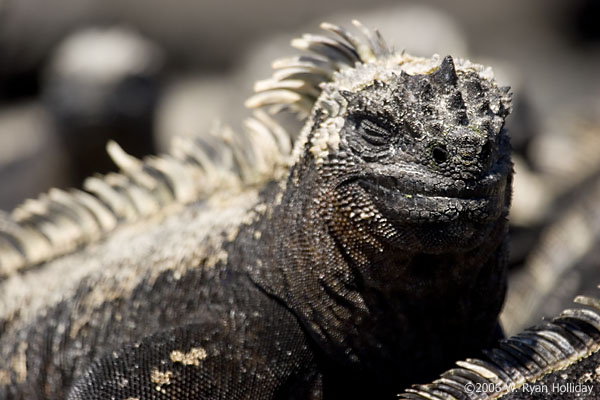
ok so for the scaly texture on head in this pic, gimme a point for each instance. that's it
(423, 151)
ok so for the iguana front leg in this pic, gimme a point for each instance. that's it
(232, 354)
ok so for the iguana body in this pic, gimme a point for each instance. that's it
(376, 260)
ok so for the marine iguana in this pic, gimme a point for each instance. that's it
(371, 257)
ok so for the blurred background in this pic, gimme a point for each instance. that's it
(76, 73)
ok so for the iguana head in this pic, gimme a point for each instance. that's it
(400, 143)
(422, 151)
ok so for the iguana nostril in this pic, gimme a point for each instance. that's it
(439, 153)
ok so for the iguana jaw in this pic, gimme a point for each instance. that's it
(417, 198)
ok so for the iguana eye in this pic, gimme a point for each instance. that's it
(373, 133)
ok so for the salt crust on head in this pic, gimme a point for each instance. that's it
(325, 139)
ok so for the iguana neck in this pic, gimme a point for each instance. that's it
(365, 299)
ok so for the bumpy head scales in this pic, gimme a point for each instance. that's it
(447, 120)
(426, 147)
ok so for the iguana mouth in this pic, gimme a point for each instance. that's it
(408, 198)
(415, 185)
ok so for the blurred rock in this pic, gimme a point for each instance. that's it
(191, 105)
(102, 84)
(562, 264)
(207, 33)
(581, 21)
(31, 154)
(569, 151)
(28, 31)
(556, 212)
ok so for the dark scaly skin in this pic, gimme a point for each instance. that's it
(564, 384)
(374, 265)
